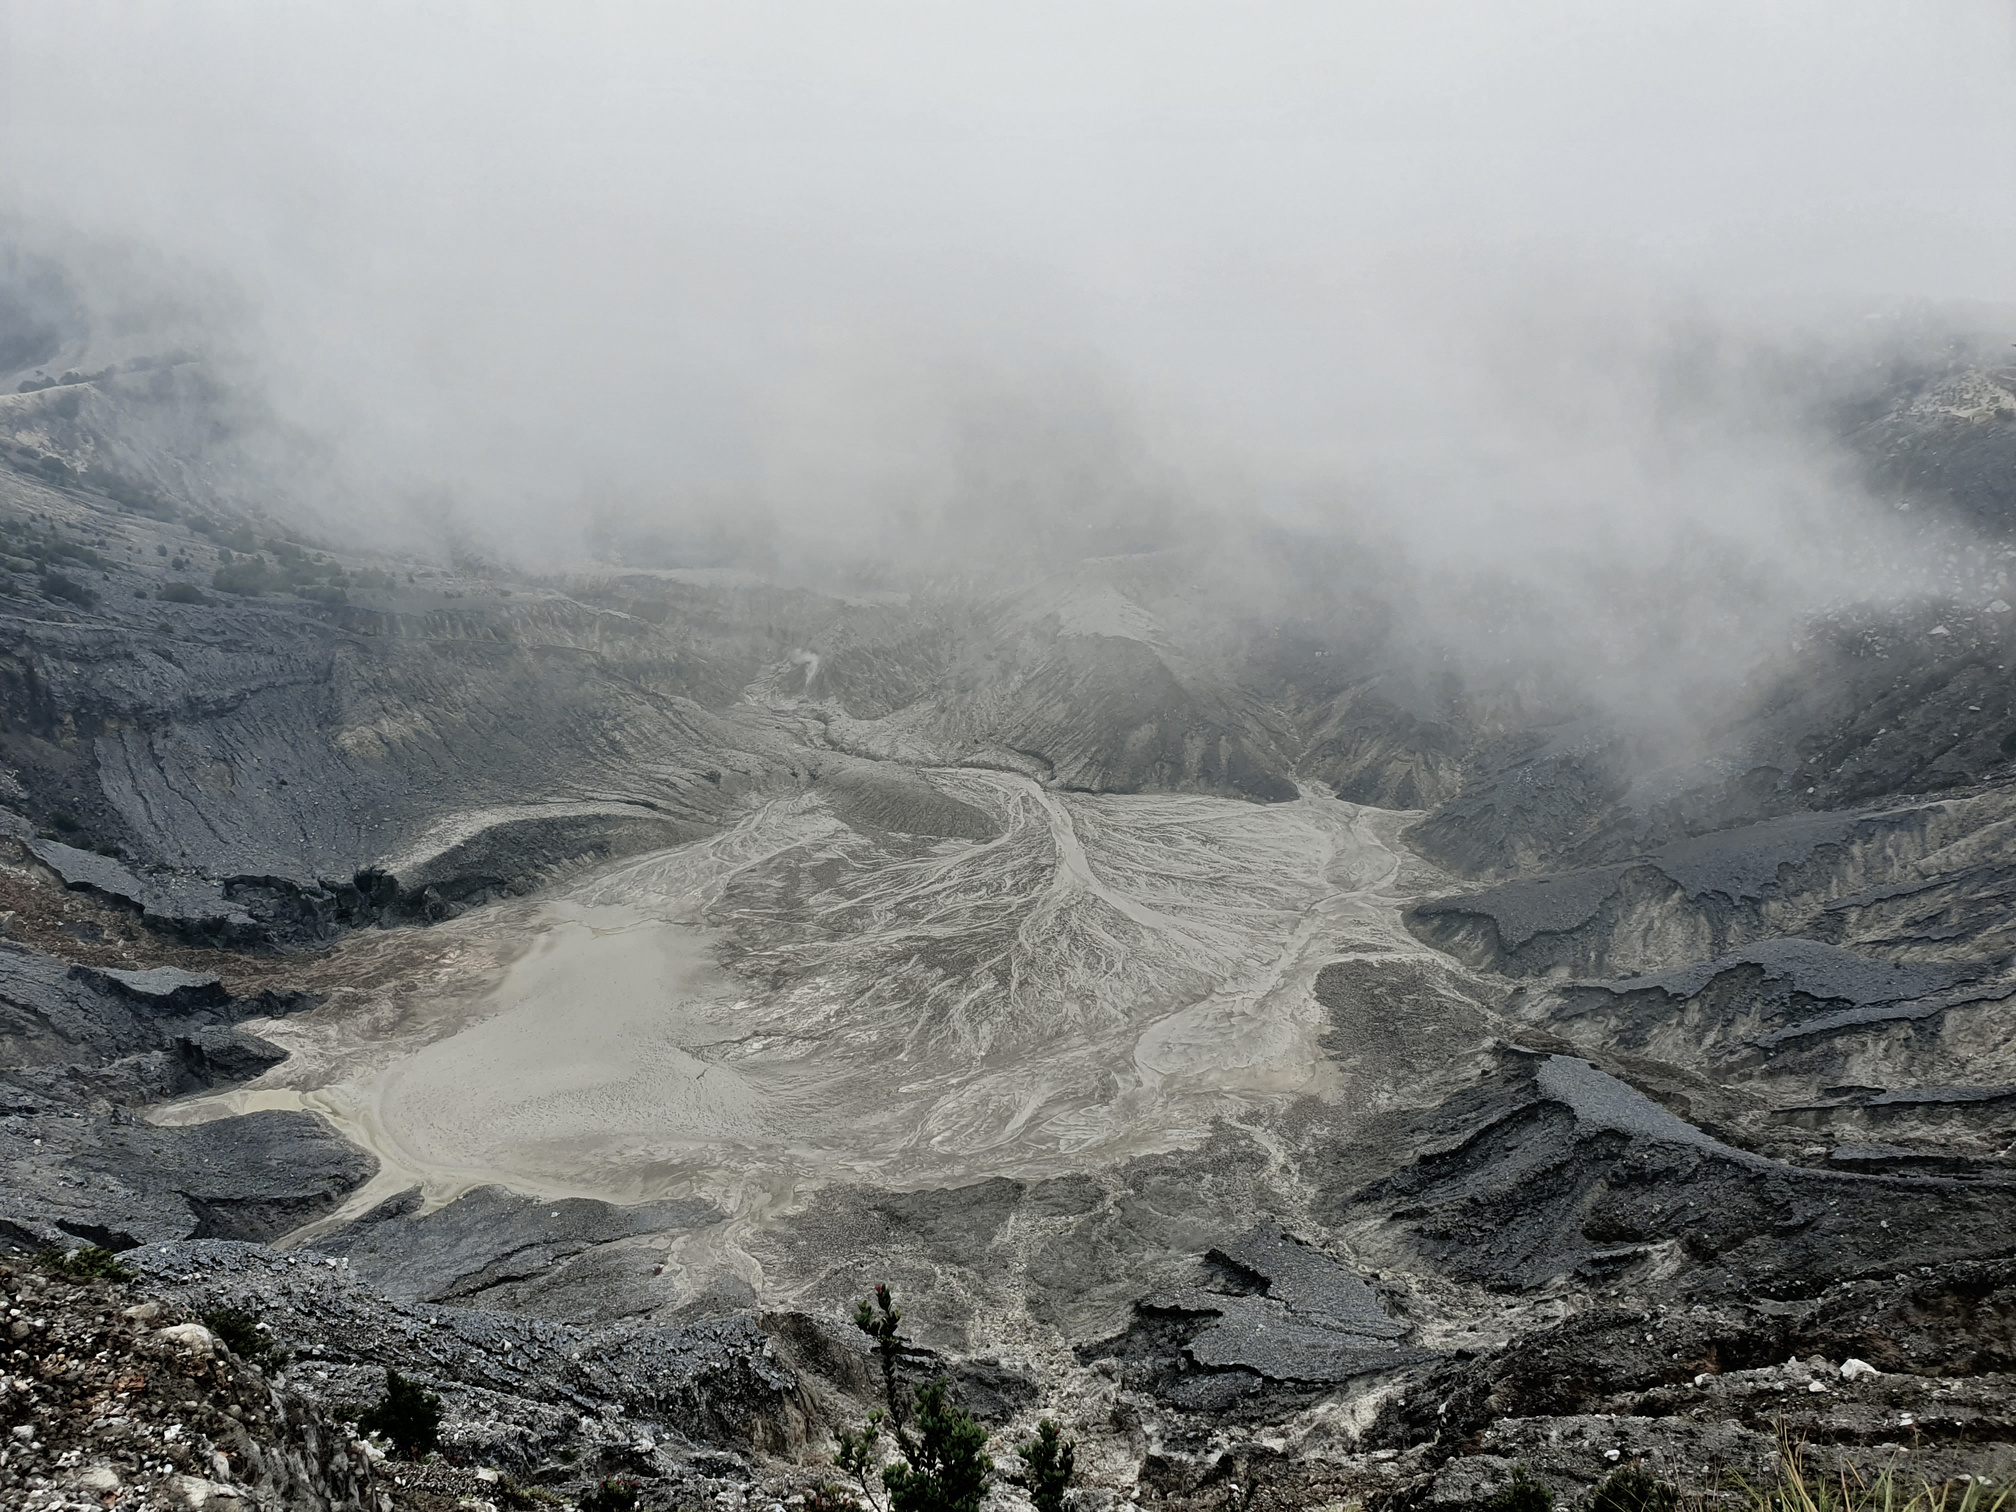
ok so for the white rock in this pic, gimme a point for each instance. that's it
(1816, 1387)
(1855, 1370)
(196, 1493)
(2000, 606)
(144, 1312)
(100, 1478)
(193, 1337)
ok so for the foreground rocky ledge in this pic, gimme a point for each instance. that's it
(116, 1394)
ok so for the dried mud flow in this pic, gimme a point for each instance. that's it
(1308, 1077)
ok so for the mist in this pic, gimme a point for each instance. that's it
(1540, 304)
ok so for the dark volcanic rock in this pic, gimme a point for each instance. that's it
(90, 1017)
(490, 1238)
(874, 796)
(160, 988)
(119, 1183)
(1555, 1167)
(174, 905)
(1267, 1311)
(718, 1382)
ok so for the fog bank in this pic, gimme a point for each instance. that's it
(1550, 296)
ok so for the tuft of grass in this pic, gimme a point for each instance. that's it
(524, 1498)
(1632, 1489)
(1801, 1487)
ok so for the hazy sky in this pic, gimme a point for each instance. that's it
(857, 264)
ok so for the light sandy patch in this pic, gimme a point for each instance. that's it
(793, 1002)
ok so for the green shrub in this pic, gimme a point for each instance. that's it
(944, 1467)
(244, 576)
(242, 1335)
(881, 1321)
(90, 1263)
(56, 585)
(1048, 1463)
(618, 1493)
(135, 496)
(1522, 1494)
(53, 548)
(181, 593)
(408, 1416)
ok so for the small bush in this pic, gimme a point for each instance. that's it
(181, 593)
(1522, 1494)
(56, 585)
(91, 1263)
(944, 1468)
(882, 1321)
(1048, 1463)
(242, 1335)
(408, 1416)
(64, 823)
(246, 577)
(619, 1493)
(135, 496)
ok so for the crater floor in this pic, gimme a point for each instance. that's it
(800, 1000)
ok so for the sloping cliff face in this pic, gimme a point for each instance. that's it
(1186, 1099)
